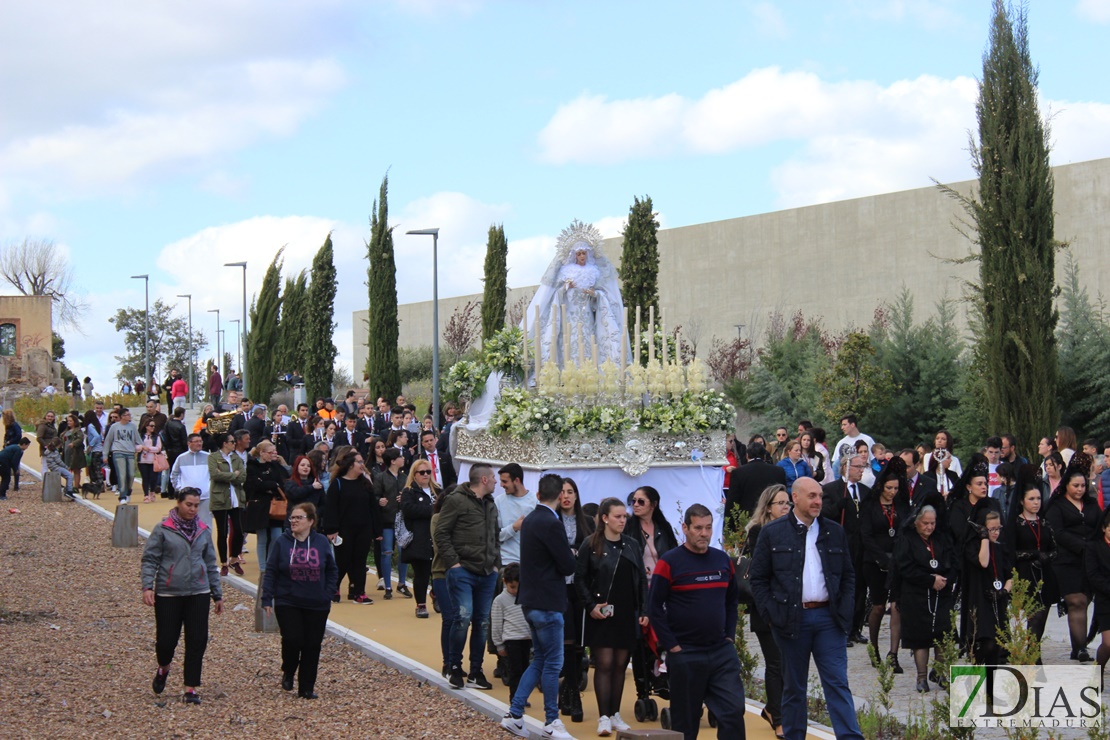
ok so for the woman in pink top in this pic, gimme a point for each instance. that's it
(148, 448)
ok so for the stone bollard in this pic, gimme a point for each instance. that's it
(125, 528)
(262, 621)
(51, 487)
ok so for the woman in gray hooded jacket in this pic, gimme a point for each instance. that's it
(179, 576)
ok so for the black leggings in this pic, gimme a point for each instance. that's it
(302, 633)
(612, 664)
(171, 613)
(150, 478)
(421, 575)
(351, 556)
(236, 517)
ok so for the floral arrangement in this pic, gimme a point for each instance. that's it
(504, 351)
(525, 415)
(465, 378)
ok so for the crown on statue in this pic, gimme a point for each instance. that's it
(577, 233)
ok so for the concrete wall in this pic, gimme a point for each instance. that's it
(31, 316)
(836, 261)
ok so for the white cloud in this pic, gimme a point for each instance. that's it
(102, 94)
(930, 14)
(1094, 10)
(592, 129)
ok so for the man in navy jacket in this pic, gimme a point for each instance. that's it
(545, 561)
(804, 587)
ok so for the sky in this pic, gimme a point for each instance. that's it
(171, 138)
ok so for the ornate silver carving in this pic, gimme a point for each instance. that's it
(634, 456)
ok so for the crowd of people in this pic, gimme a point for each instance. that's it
(839, 539)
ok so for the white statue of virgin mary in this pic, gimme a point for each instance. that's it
(582, 284)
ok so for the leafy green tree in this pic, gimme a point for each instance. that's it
(1012, 216)
(320, 350)
(639, 270)
(782, 385)
(855, 383)
(1084, 341)
(262, 343)
(169, 340)
(382, 364)
(293, 327)
(496, 282)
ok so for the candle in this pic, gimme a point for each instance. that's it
(678, 346)
(524, 348)
(636, 351)
(554, 337)
(581, 348)
(651, 334)
(566, 334)
(593, 351)
(663, 331)
(624, 341)
(536, 334)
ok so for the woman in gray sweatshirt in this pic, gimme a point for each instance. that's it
(119, 445)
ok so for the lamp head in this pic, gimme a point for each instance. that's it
(424, 232)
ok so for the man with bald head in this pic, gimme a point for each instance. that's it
(806, 592)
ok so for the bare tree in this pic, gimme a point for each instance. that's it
(37, 267)
(462, 329)
(516, 311)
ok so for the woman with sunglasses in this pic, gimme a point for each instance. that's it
(417, 505)
(649, 527)
(773, 503)
(297, 587)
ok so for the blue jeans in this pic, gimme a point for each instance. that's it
(124, 464)
(471, 599)
(447, 613)
(67, 476)
(547, 646)
(711, 676)
(818, 636)
(386, 569)
(267, 536)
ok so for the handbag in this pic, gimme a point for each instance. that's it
(743, 577)
(279, 506)
(161, 463)
(402, 535)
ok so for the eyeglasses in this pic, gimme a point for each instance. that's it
(994, 530)
(780, 503)
(639, 502)
(781, 436)
(297, 518)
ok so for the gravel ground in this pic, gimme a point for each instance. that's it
(78, 654)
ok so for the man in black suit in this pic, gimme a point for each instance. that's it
(840, 503)
(350, 435)
(256, 425)
(921, 487)
(545, 561)
(749, 480)
(382, 419)
(442, 469)
(296, 437)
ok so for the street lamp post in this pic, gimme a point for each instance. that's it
(192, 359)
(238, 342)
(223, 341)
(146, 330)
(219, 354)
(242, 370)
(434, 233)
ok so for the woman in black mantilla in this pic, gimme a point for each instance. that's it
(987, 585)
(1098, 574)
(925, 563)
(1073, 517)
(1034, 547)
(881, 516)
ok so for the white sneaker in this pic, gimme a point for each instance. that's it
(618, 723)
(514, 725)
(556, 730)
(604, 726)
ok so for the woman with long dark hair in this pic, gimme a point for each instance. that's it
(612, 585)
(816, 459)
(881, 517)
(94, 447)
(351, 516)
(304, 487)
(649, 527)
(1034, 545)
(578, 527)
(1053, 467)
(773, 504)
(417, 504)
(150, 446)
(1074, 520)
(1098, 575)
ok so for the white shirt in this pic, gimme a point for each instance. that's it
(813, 576)
(509, 509)
(851, 442)
(433, 460)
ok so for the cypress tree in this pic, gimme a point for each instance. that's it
(639, 270)
(261, 343)
(382, 363)
(1013, 218)
(293, 326)
(320, 351)
(496, 282)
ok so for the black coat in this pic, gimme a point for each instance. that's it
(350, 506)
(594, 574)
(264, 481)
(926, 613)
(874, 530)
(256, 425)
(545, 561)
(747, 483)
(305, 493)
(295, 440)
(416, 508)
(984, 607)
(1098, 575)
(837, 504)
(446, 467)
